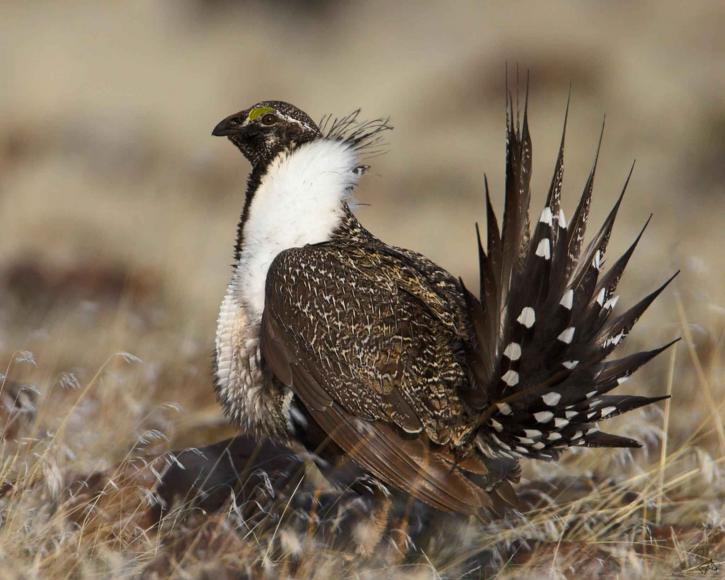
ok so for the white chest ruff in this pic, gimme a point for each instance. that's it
(241, 388)
(299, 201)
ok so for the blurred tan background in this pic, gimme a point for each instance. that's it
(118, 209)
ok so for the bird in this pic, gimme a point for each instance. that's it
(332, 340)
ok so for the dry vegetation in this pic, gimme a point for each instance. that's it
(117, 220)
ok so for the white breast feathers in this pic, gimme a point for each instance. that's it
(298, 202)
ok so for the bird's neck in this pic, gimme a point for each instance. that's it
(299, 198)
(253, 181)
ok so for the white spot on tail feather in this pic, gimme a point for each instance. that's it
(567, 335)
(496, 425)
(546, 216)
(527, 317)
(511, 378)
(567, 300)
(544, 249)
(570, 364)
(513, 351)
(608, 411)
(543, 416)
(561, 219)
(552, 399)
(559, 422)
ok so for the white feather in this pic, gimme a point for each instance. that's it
(298, 202)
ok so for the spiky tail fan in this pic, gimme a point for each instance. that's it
(544, 323)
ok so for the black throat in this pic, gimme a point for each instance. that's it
(253, 181)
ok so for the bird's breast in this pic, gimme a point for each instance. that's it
(248, 399)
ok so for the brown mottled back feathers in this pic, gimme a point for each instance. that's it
(367, 344)
(379, 337)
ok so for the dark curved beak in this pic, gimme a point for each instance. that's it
(232, 125)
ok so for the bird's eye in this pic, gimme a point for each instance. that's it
(269, 119)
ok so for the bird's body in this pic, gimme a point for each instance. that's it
(327, 333)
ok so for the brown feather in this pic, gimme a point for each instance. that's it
(411, 464)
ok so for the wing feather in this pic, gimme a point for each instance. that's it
(408, 463)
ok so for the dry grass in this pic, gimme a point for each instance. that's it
(81, 456)
(117, 216)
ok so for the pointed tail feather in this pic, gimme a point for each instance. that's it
(542, 318)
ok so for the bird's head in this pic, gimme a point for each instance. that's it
(267, 128)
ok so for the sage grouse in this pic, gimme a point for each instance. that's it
(326, 333)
